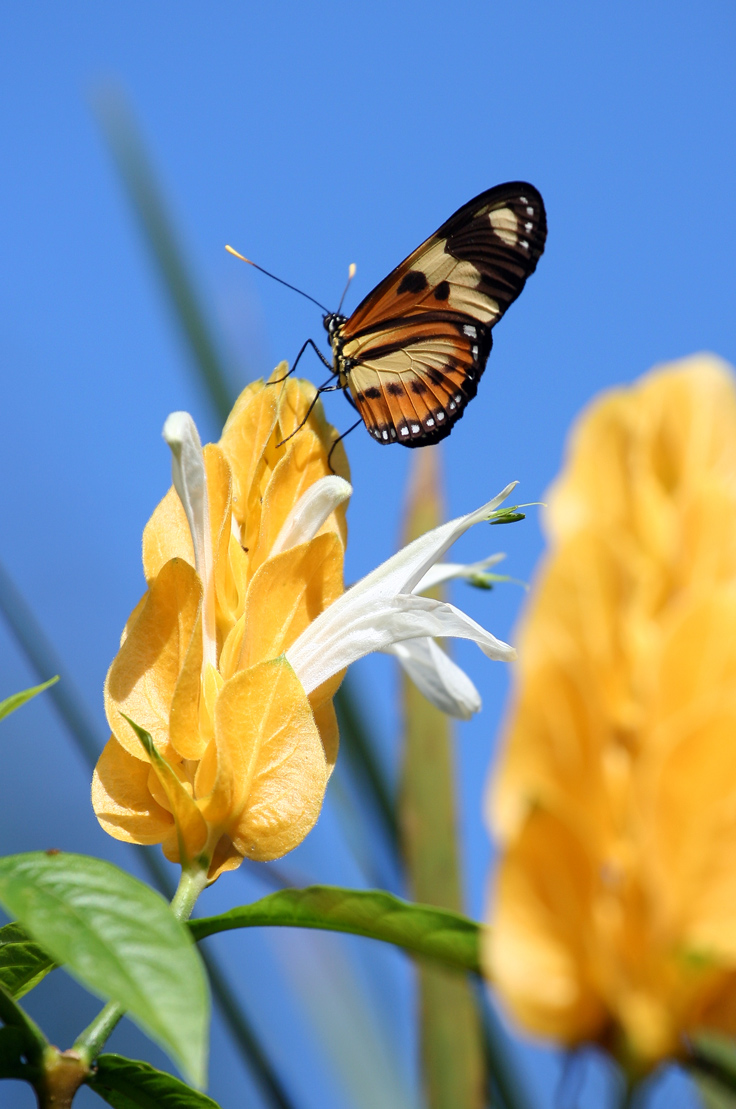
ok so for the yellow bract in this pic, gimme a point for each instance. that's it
(614, 916)
(241, 754)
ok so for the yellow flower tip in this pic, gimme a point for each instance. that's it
(615, 800)
(239, 557)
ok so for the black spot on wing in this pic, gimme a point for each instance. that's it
(442, 291)
(412, 282)
(394, 388)
(417, 386)
(372, 392)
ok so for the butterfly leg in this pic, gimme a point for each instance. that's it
(322, 389)
(341, 437)
(309, 343)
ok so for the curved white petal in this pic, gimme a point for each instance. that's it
(436, 676)
(190, 481)
(310, 512)
(447, 571)
(355, 626)
(402, 572)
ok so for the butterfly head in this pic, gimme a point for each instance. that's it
(333, 324)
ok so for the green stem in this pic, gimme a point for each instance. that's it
(12, 1015)
(91, 1041)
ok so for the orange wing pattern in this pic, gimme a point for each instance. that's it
(414, 350)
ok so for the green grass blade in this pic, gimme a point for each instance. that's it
(364, 764)
(10, 704)
(141, 186)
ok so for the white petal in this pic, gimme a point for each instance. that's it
(436, 676)
(402, 572)
(310, 512)
(447, 571)
(350, 629)
(190, 481)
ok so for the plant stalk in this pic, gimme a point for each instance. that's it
(90, 1042)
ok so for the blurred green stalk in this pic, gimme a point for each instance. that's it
(143, 192)
(450, 1029)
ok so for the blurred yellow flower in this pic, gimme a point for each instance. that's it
(240, 556)
(614, 908)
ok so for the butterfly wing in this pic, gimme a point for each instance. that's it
(415, 348)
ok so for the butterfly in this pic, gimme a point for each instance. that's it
(410, 356)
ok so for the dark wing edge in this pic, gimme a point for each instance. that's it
(489, 253)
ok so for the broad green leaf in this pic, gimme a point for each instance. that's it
(10, 704)
(12, 1049)
(130, 1084)
(119, 939)
(450, 1033)
(437, 934)
(22, 962)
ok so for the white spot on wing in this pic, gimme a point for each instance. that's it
(528, 226)
(474, 352)
(415, 429)
(468, 329)
(523, 199)
(452, 406)
(440, 416)
(384, 434)
(404, 430)
(524, 243)
(529, 211)
(430, 422)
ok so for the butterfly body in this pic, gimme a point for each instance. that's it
(412, 353)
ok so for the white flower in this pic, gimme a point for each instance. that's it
(383, 611)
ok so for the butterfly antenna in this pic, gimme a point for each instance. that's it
(351, 275)
(280, 280)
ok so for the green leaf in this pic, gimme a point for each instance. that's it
(10, 704)
(119, 939)
(437, 934)
(22, 962)
(130, 1084)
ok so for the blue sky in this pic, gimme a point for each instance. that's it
(309, 137)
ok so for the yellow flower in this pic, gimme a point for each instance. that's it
(239, 557)
(614, 912)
